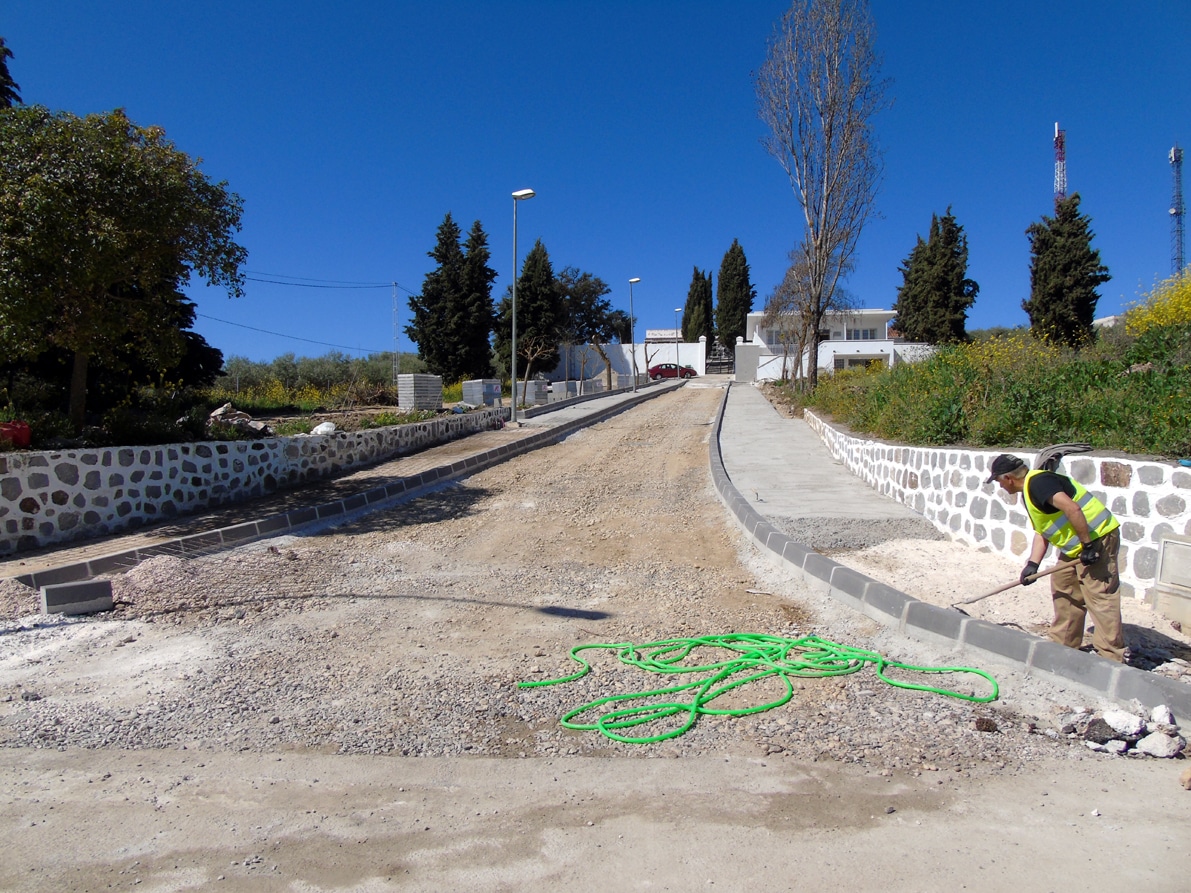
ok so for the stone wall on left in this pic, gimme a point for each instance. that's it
(57, 496)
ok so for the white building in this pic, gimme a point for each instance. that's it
(854, 338)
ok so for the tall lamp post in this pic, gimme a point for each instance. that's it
(519, 195)
(633, 331)
(677, 362)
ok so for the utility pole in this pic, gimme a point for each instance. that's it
(1178, 262)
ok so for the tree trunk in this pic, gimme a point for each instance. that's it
(78, 391)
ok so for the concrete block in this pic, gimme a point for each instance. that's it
(1151, 690)
(934, 622)
(850, 582)
(885, 600)
(302, 516)
(330, 510)
(819, 566)
(1000, 640)
(84, 597)
(1090, 670)
(273, 524)
(795, 553)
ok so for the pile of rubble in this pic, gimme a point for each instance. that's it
(227, 415)
(1127, 733)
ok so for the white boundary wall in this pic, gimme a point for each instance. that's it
(56, 496)
(1150, 498)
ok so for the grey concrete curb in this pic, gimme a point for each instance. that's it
(942, 626)
(355, 505)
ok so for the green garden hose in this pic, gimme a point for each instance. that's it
(754, 657)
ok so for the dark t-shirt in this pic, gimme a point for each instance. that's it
(1044, 486)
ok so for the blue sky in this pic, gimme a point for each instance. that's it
(351, 129)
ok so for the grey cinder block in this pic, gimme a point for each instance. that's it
(85, 597)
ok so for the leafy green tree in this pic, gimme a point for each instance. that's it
(539, 314)
(932, 303)
(698, 317)
(8, 87)
(1065, 271)
(734, 296)
(102, 223)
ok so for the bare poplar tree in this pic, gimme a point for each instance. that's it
(818, 92)
(790, 313)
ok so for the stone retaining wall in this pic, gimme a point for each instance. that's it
(946, 486)
(51, 497)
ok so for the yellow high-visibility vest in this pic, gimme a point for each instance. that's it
(1057, 530)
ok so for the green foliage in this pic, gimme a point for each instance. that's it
(734, 296)
(1020, 391)
(698, 316)
(453, 316)
(102, 224)
(539, 314)
(1064, 273)
(1169, 304)
(932, 303)
(8, 87)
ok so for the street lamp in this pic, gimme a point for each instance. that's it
(519, 195)
(677, 363)
(633, 331)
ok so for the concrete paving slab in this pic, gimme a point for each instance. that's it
(782, 467)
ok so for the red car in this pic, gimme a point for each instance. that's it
(670, 370)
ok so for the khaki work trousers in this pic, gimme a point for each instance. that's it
(1078, 591)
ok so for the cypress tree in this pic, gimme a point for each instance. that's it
(539, 316)
(436, 311)
(932, 303)
(697, 315)
(734, 296)
(477, 313)
(1065, 271)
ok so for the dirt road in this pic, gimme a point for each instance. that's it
(339, 711)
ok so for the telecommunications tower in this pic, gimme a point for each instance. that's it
(1177, 210)
(1060, 164)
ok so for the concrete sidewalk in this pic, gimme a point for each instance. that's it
(782, 467)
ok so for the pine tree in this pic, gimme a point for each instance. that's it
(437, 310)
(734, 296)
(697, 315)
(477, 315)
(1065, 271)
(932, 303)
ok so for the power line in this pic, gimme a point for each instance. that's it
(290, 337)
(313, 285)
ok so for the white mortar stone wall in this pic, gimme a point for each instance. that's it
(52, 497)
(1150, 498)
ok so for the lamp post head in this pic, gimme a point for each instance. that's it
(523, 193)
(635, 279)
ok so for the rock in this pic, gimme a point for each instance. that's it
(1185, 779)
(1099, 732)
(1160, 745)
(1116, 746)
(1161, 714)
(1126, 724)
(324, 428)
(984, 724)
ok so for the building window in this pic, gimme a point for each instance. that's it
(862, 334)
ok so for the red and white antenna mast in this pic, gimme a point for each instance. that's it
(1060, 163)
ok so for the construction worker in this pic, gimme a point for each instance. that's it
(1064, 514)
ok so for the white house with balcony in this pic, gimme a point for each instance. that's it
(769, 351)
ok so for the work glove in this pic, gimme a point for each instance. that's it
(1090, 554)
(1027, 573)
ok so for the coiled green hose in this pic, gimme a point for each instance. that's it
(754, 657)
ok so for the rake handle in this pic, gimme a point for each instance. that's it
(1039, 575)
